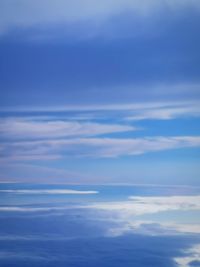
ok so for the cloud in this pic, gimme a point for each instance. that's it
(50, 192)
(130, 215)
(93, 147)
(27, 14)
(125, 217)
(129, 111)
(165, 113)
(23, 128)
(147, 205)
(31, 209)
(136, 206)
(152, 228)
(191, 257)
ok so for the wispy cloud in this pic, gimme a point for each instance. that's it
(190, 258)
(149, 205)
(50, 192)
(127, 106)
(165, 113)
(135, 206)
(129, 111)
(94, 147)
(130, 215)
(126, 216)
(152, 227)
(23, 128)
(33, 13)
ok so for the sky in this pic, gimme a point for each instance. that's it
(100, 92)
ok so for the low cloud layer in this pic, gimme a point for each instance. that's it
(145, 205)
(191, 258)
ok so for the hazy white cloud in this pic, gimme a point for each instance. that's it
(191, 255)
(128, 215)
(49, 192)
(189, 105)
(135, 206)
(30, 209)
(125, 216)
(94, 147)
(22, 128)
(148, 227)
(165, 113)
(163, 110)
(106, 147)
(149, 205)
(42, 13)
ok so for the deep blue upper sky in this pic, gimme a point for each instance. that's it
(97, 92)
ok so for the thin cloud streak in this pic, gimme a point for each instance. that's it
(23, 128)
(49, 192)
(94, 147)
(106, 106)
(129, 111)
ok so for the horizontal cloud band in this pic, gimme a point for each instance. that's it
(93, 147)
(50, 191)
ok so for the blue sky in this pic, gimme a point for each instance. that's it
(100, 91)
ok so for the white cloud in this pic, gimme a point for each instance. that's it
(152, 228)
(165, 113)
(50, 192)
(22, 128)
(130, 111)
(191, 254)
(127, 210)
(149, 205)
(133, 106)
(127, 215)
(30, 209)
(94, 147)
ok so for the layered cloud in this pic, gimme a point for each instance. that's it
(126, 216)
(162, 110)
(144, 205)
(22, 128)
(102, 131)
(135, 206)
(93, 147)
(191, 257)
(130, 215)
